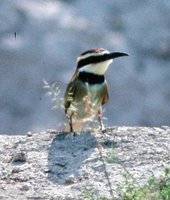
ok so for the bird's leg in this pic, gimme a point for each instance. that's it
(71, 123)
(102, 128)
(72, 126)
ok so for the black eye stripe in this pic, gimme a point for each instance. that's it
(92, 59)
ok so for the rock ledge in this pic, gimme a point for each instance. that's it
(53, 165)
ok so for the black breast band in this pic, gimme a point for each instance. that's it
(91, 78)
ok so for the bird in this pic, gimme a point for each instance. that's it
(87, 90)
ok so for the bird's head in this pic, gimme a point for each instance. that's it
(97, 60)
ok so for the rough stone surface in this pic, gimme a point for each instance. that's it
(52, 165)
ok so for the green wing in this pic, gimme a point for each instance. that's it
(69, 95)
(75, 92)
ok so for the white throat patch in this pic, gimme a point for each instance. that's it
(96, 68)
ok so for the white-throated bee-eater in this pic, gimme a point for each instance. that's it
(88, 90)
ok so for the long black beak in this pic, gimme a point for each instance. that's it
(115, 55)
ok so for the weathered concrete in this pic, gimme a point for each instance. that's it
(51, 165)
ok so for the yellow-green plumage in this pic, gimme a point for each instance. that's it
(83, 101)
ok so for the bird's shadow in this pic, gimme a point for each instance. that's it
(67, 153)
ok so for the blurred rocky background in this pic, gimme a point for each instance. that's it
(40, 39)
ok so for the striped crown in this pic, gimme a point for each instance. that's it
(91, 56)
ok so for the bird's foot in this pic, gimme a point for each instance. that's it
(103, 130)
